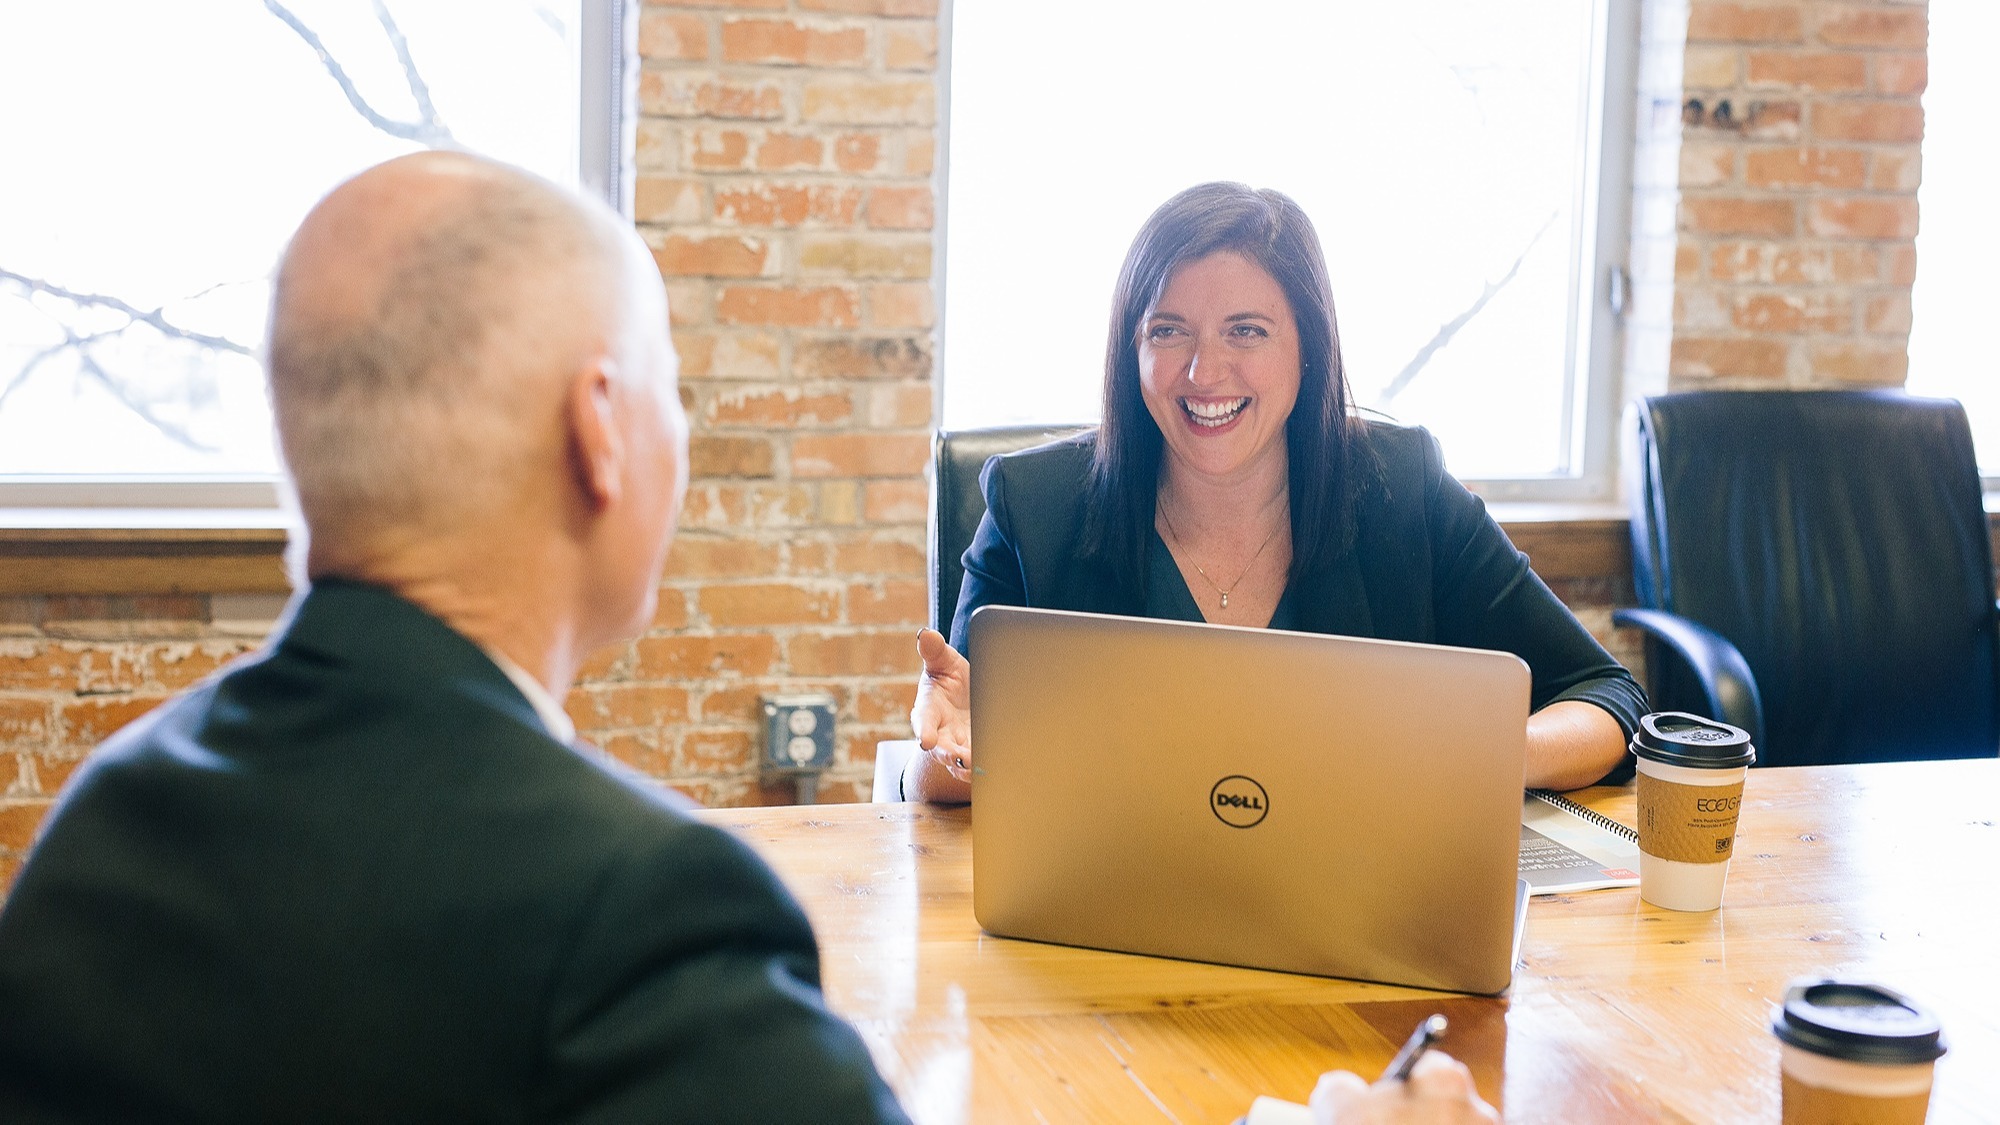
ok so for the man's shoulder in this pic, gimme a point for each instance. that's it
(373, 745)
(435, 866)
(457, 750)
(157, 744)
(287, 781)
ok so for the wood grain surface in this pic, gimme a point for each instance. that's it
(1620, 1011)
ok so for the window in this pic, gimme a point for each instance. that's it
(1958, 233)
(1451, 153)
(160, 155)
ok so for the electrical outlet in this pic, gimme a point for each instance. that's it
(798, 733)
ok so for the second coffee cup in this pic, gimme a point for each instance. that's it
(1855, 1053)
(1690, 788)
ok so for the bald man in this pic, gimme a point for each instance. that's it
(364, 875)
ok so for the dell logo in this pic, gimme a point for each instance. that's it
(1239, 802)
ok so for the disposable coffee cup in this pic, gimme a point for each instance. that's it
(1855, 1054)
(1690, 787)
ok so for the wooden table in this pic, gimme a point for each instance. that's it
(1620, 1012)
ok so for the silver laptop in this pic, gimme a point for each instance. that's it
(1290, 801)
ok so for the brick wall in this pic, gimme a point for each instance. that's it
(786, 158)
(1799, 164)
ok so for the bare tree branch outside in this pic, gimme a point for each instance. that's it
(110, 332)
(1451, 328)
(83, 347)
(427, 130)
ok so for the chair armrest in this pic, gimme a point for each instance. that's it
(1724, 676)
(890, 759)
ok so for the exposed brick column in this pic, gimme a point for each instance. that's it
(785, 154)
(1799, 166)
(1649, 315)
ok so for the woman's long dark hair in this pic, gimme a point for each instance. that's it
(1321, 436)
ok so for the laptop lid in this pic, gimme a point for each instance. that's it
(1291, 801)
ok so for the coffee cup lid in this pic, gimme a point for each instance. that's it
(1677, 738)
(1858, 1022)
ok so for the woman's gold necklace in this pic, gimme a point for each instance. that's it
(1176, 537)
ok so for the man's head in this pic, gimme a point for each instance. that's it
(469, 363)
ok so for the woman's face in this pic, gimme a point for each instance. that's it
(1219, 366)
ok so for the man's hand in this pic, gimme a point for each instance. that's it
(1439, 1092)
(942, 718)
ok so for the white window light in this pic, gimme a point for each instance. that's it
(1466, 162)
(173, 148)
(1958, 232)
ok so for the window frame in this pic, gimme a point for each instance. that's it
(1597, 330)
(607, 71)
(1988, 458)
(1596, 335)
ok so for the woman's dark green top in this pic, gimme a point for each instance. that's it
(1169, 599)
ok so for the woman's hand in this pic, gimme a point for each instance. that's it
(1439, 1091)
(942, 722)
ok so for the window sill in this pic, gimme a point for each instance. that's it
(142, 551)
(234, 551)
(1568, 541)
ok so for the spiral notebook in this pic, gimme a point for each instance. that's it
(1566, 847)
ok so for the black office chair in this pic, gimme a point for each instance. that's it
(957, 504)
(1816, 568)
(956, 508)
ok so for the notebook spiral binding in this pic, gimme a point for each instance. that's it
(1597, 818)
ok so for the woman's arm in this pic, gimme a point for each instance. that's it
(1585, 703)
(1571, 744)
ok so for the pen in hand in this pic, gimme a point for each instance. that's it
(1344, 1091)
(1420, 1040)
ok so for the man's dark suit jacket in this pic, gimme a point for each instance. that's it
(1428, 565)
(355, 879)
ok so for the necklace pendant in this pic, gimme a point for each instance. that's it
(1225, 601)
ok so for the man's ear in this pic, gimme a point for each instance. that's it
(597, 448)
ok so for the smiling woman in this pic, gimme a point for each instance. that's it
(1226, 404)
(1231, 482)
